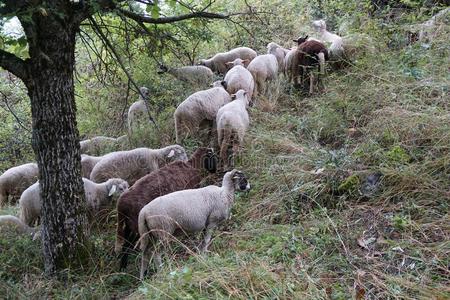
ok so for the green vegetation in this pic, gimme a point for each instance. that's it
(350, 187)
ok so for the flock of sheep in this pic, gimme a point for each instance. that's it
(157, 191)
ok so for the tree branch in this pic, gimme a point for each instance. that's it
(13, 64)
(166, 20)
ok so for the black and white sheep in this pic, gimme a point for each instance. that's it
(190, 211)
(134, 164)
(98, 195)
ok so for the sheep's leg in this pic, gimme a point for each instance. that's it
(207, 239)
(145, 255)
(311, 82)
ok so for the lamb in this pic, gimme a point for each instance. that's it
(173, 177)
(134, 164)
(336, 51)
(239, 78)
(263, 68)
(199, 107)
(191, 211)
(197, 75)
(309, 53)
(98, 195)
(138, 113)
(218, 62)
(15, 180)
(15, 224)
(279, 52)
(232, 124)
(88, 163)
(100, 145)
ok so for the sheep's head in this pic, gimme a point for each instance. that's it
(301, 40)
(204, 158)
(241, 94)
(240, 181)
(144, 91)
(219, 83)
(176, 152)
(237, 62)
(116, 186)
(319, 25)
(162, 69)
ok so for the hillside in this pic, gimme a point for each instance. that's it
(350, 187)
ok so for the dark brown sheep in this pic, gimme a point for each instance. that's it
(173, 177)
(309, 54)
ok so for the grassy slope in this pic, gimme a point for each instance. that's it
(307, 229)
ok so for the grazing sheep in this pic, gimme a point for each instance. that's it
(288, 62)
(239, 78)
(218, 62)
(336, 50)
(138, 113)
(15, 224)
(197, 108)
(173, 177)
(197, 75)
(88, 163)
(15, 180)
(98, 195)
(190, 211)
(263, 68)
(310, 53)
(100, 145)
(232, 124)
(134, 164)
(279, 52)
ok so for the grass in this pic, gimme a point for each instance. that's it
(350, 199)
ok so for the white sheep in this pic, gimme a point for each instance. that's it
(263, 68)
(134, 164)
(100, 145)
(336, 49)
(288, 60)
(279, 52)
(138, 113)
(232, 124)
(98, 195)
(191, 210)
(218, 62)
(88, 162)
(196, 75)
(15, 180)
(13, 223)
(198, 107)
(239, 78)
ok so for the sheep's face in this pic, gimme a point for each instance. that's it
(144, 91)
(117, 187)
(210, 161)
(240, 182)
(319, 25)
(176, 153)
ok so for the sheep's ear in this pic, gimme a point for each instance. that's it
(306, 37)
(171, 154)
(233, 96)
(112, 190)
(295, 41)
(224, 84)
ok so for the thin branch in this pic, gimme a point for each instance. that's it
(119, 60)
(166, 20)
(13, 64)
(5, 99)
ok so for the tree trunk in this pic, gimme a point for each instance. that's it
(55, 141)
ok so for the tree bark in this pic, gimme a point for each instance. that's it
(55, 141)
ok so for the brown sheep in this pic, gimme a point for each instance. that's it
(310, 53)
(173, 177)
